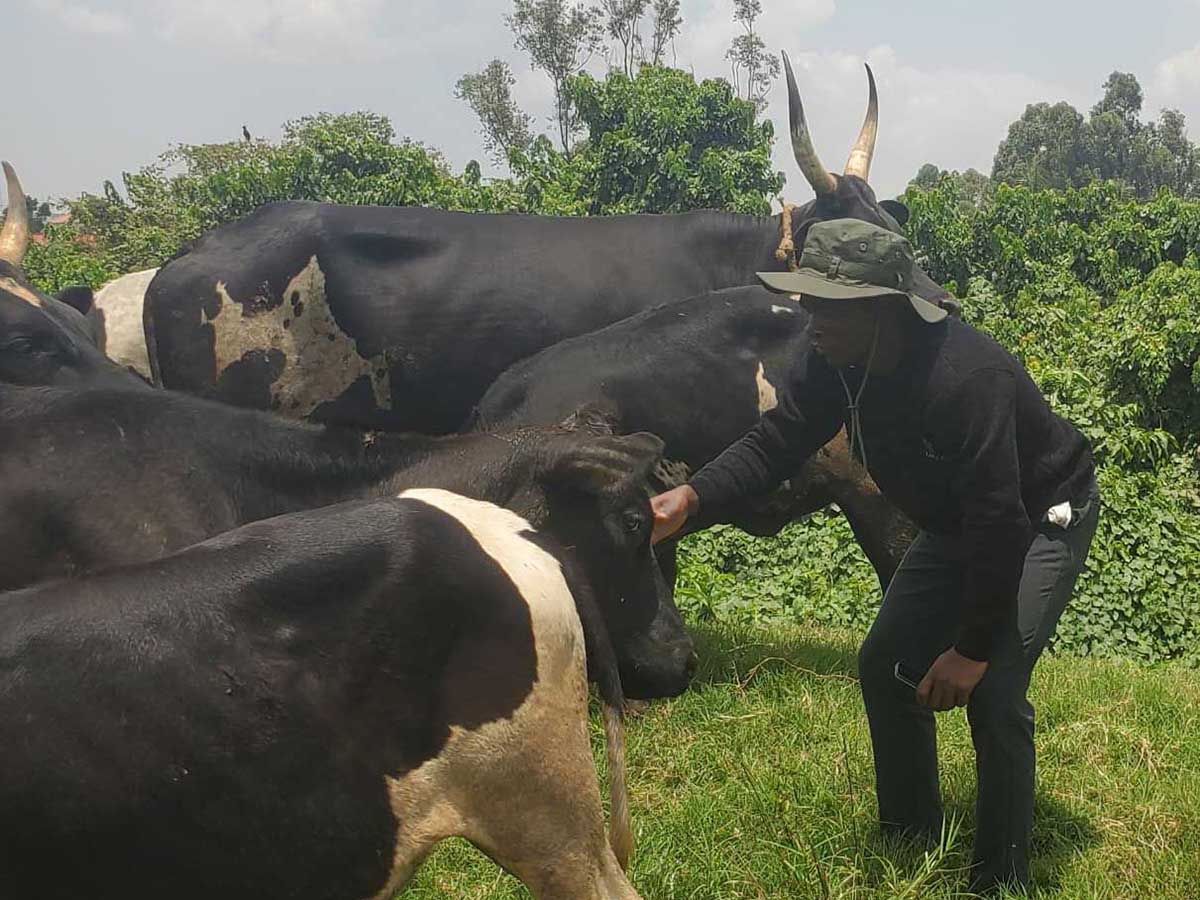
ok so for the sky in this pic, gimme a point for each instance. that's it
(113, 83)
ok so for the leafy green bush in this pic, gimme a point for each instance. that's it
(812, 570)
(66, 259)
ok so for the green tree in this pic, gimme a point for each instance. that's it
(39, 214)
(972, 187)
(1055, 147)
(1122, 97)
(622, 22)
(927, 177)
(560, 39)
(489, 93)
(1046, 148)
(657, 142)
(753, 67)
(1179, 163)
(667, 22)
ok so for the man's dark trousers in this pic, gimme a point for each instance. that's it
(919, 620)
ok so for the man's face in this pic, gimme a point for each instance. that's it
(842, 330)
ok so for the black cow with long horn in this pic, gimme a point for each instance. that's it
(401, 318)
(43, 339)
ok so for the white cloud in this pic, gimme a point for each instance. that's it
(303, 31)
(1179, 74)
(1176, 83)
(78, 17)
(952, 116)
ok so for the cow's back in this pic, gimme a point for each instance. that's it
(698, 372)
(401, 317)
(116, 317)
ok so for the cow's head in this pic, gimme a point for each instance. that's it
(44, 340)
(595, 501)
(848, 196)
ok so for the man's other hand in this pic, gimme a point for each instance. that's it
(671, 511)
(950, 681)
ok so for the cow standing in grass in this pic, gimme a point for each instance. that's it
(303, 707)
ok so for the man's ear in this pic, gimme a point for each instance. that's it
(896, 210)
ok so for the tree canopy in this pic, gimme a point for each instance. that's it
(1055, 146)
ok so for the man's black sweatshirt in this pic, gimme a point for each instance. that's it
(957, 436)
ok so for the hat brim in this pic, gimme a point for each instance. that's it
(817, 285)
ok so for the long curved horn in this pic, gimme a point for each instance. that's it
(802, 146)
(864, 148)
(14, 237)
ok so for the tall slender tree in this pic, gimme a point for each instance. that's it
(623, 20)
(753, 67)
(489, 93)
(560, 39)
(667, 22)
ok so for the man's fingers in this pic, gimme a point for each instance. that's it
(923, 690)
(946, 696)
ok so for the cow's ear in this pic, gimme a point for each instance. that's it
(79, 298)
(896, 210)
(670, 473)
(592, 419)
(605, 463)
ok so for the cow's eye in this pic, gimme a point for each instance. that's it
(20, 345)
(632, 520)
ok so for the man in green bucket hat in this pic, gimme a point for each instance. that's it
(957, 435)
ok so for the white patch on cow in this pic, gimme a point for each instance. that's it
(14, 287)
(767, 398)
(118, 305)
(320, 360)
(523, 788)
(782, 310)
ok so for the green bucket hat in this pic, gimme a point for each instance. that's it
(849, 259)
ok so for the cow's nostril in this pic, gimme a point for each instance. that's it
(693, 663)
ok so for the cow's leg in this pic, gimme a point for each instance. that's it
(524, 790)
(883, 532)
(526, 787)
(534, 806)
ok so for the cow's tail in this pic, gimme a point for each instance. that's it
(620, 831)
(602, 668)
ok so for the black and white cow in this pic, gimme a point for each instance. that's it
(115, 315)
(698, 373)
(302, 708)
(95, 477)
(43, 339)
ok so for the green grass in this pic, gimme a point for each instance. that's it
(758, 784)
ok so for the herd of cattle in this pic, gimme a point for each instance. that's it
(313, 537)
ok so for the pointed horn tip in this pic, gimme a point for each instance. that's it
(10, 176)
